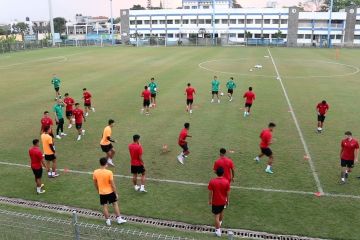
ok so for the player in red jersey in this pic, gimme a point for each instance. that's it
(189, 92)
(349, 155)
(250, 97)
(183, 143)
(227, 164)
(321, 109)
(137, 164)
(146, 94)
(69, 103)
(266, 141)
(218, 198)
(87, 102)
(36, 163)
(46, 121)
(79, 117)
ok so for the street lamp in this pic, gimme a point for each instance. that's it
(112, 24)
(329, 24)
(51, 23)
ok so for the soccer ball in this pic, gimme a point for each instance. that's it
(155, 89)
(222, 94)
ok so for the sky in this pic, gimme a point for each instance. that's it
(39, 10)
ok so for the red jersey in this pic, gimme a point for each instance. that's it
(78, 115)
(220, 188)
(46, 121)
(227, 164)
(348, 148)
(146, 94)
(182, 137)
(250, 97)
(69, 103)
(266, 137)
(322, 108)
(136, 151)
(87, 97)
(36, 157)
(190, 93)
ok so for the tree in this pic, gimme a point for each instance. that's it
(41, 28)
(117, 20)
(137, 7)
(278, 34)
(5, 30)
(21, 28)
(236, 5)
(339, 4)
(59, 25)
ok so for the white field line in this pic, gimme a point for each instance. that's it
(311, 163)
(201, 184)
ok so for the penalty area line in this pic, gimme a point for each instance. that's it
(271, 190)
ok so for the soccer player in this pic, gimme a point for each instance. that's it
(250, 97)
(227, 164)
(137, 164)
(106, 141)
(321, 109)
(189, 92)
(56, 82)
(69, 103)
(146, 94)
(153, 89)
(87, 102)
(36, 163)
(230, 86)
(59, 118)
(183, 143)
(49, 152)
(349, 154)
(215, 86)
(105, 186)
(219, 189)
(79, 117)
(46, 121)
(266, 141)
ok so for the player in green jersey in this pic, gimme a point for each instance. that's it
(230, 86)
(56, 82)
(153, 89)
(215, 86)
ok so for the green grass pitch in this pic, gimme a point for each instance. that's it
(116, 76)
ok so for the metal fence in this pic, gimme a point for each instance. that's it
(15, 225)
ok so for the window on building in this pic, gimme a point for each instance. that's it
(193, 7)
(338, 37)
(357, 37)
(147, 35)
(187, 7)
(241, 35)
(217, 21)
(275, 21)
(162, 22)
(241, 21)
(185, 21)
(206, 7)
(201, 21)
(184, 35)
(139, 22)
(208, 21)
(170, 21)
(307, 36)
(177, 35)
(146, 22)
(284, 36)
(232, 21)
(193, 21)
(266, 21)
(162, 35)
(300, 36)
(177, 21)
(224, 21)
(232, 35)
(154, 22)
(266, 35)
(249, 21)
(132, 22)
(357, 22)
(257, 35)
(170, 35)
(284, 21)
(332, 36)
(257, 21)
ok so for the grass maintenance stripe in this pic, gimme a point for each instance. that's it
(311, 163)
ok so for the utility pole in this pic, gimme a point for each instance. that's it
(329, 24)
(51, 23)
(112, 24)
(213, 21)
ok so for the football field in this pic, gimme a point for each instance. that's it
(302, 197)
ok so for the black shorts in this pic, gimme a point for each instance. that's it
(87, 104)
(137, 169)
(108, 198)
(57, 89)
(248, 105)
(37, 173)
(78, 125)
(189, 101)
(146, 103)
(266, 151)
(69, 113)
(217, 209)
(321, 118)
(184, 147)
(106, 148)
(61, 121)
(231, 91)
(215, 92)
(153, 95)
(347, 163)
(50, 157)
